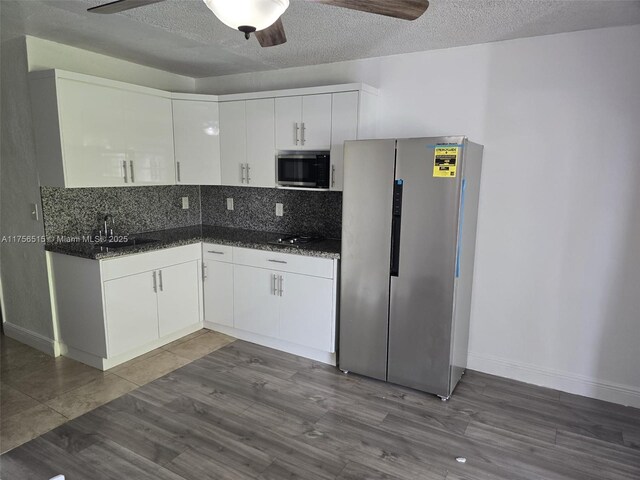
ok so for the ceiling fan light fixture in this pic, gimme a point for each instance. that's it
(247, 15)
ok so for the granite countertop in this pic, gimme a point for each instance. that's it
(175, 237)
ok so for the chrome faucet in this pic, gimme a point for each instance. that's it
(108, 218)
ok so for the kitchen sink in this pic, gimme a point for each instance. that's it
(128, 243)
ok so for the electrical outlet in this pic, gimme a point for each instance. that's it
(279, 210)
(34, 211)
(229, 203)
(185, 203)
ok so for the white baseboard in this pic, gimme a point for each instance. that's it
(101, 363)
(567, 382)
(33, 339)
(301, 351)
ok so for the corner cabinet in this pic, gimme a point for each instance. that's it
(92, 132)
(109, 311)
(283, 301)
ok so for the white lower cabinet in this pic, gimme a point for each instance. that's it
(280, 300)
(218, 284)
(255, 302)
(306, 312)
(131, 310)
(115, 309)
(178, 297)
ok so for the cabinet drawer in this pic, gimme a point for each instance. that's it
(143, 262)
(284, 262)
(218, 253)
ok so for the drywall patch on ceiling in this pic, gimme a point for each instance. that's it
(183, 36)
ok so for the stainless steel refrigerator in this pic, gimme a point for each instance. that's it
(409, 216)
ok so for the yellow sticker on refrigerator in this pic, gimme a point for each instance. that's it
(445, 161)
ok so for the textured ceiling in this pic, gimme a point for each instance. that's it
(183, 36)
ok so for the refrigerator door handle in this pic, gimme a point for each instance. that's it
(395, 246)
(395, 227)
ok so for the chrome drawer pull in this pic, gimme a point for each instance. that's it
(216, 252)
(277, 261)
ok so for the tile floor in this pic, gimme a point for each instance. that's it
(39, 392)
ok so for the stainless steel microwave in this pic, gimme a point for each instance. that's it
(303, 170)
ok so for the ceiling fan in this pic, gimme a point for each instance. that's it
(262, 17)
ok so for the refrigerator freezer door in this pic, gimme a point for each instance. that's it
(365, 257)
(421, 303)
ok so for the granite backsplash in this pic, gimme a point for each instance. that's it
(305, 212)
(75, 212)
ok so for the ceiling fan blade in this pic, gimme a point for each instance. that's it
(404, 9)
(121, 6)
(272, 36)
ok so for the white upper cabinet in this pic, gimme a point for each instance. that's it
(261, 150)
(92, 132)
(233, 142)
(303, 122)
(94, 146)
(196, 136)
(247, 143)
(315, 132)
(344, 126)
(288, 120)
(150, 149)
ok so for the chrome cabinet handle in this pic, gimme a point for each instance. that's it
(281, 284)
(277, 261)
(302, 139)
(295, 133)
(178, 170)
(155, 283)
(216, 252)
(124, 167)
(274, 288)
(248, 173)
(132, 175)
(204, 271)
(333, 175)
(242, 173)
(160, 277)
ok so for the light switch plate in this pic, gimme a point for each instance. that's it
(229, 203)
(279, 210)
(185, 203)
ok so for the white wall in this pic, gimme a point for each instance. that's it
(44, 55)
(25, 296)
(557, 285)
(25, 299)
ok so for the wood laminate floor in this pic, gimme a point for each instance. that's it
(245, 412)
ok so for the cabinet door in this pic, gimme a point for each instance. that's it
(344, 126)
(316, 122)
(150, 152)
(94, 134)
(218, 292)
(131, 312)
(196, 135)
(178, 298)
(255, 303)
(233, 142)
(288, 123)
(306, 315)
(261, 149)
